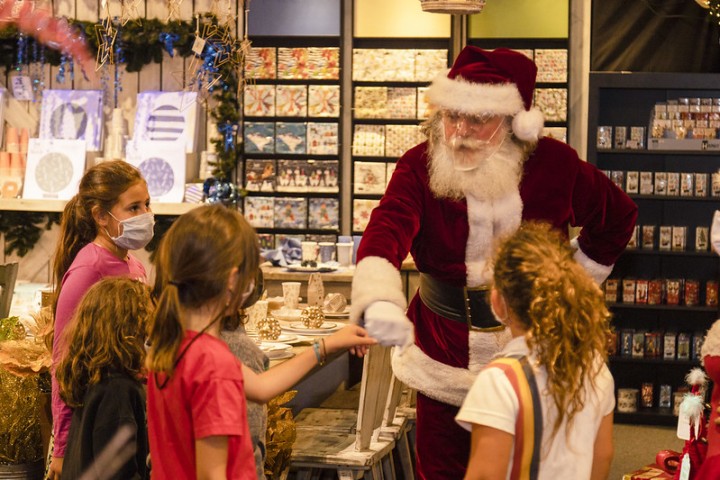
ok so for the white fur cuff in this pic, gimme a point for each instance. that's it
(375, 279)
(597, 271)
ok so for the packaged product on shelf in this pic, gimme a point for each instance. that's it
(655, 292)
(638, 344)
(291, 137)
(626, 341)
(362, 208)
(686, 184)
(697, 341)
(665, 240)
(369, 177)
(604, 138)
(322, 138)
(620, 137)
(677, 400)
(260, 175)
(551, 64)
(641, 291)
(711, 293)
(323, 63)
(428, 63)
(260, 63)
(628, 290)
(646, 395)
(633, 242)
(695, 105)
(618, 178)
(267, 241)
(679, 238)
(701, 182)
(259, 100)
(401, 102)
(324, 101)
(669, 344)
(371, 102)
(627, 400)
(646, 183)
(259, 137)
(612, 343)
(632, 182)
(637, 138)
(701, 239)
(552, 102)
(660, 183)
(673, 291)
(259, 211)
(652, 344)
(323, 176)
(369, 140)
(292, 175)
(683, 104)
(611, 290)
(292, 63)
(683, 346)
(648, 237)
(673, 183)
(692, 292)
(291, 100)
(323, 213)
(715, 184)
(665, 396)
(290, 212)
(400, 138)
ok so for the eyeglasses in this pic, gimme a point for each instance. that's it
(475, 122)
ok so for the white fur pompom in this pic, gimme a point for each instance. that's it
(692, 406)
(696, 377)
(527, 125)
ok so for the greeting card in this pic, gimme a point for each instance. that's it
(552, 65)
(400, 138)
(369, 140)
(54, 168)
(259, 100)
(290, 137)
(163, 165)
(423, 106)
(324, 213)
(371, 102)
(323, 63)
(401, 102)
(390, 169)
(429, 63)
(369, 177)
(72, 115)
(260, 63)
(291, 100)
(260, 211)
(324, 100)
(552, 102)
(259, 137)
(322, 138)
(167, 117)
(260, 175)
(267, 241)
(290, 212)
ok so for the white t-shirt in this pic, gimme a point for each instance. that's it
(492, 402)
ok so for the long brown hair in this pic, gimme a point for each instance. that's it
(100, 186)
(193, 264)
(106, 335)
(561, 306)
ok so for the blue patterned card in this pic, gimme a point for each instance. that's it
(291, 212)
(324, 213)
(290, 138)
(259, 137)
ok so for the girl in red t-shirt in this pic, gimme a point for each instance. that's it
(206, 267)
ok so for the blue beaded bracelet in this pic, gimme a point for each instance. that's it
(318, 355)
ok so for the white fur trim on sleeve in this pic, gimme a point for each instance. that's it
(462, 96)
(597, 271)
(375, 279)
(434, 379)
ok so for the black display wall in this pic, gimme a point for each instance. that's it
(653, 36)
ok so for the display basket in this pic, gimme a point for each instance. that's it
(457, 7)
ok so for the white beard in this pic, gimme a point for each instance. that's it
(493, 179)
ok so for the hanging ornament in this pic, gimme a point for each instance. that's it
(173, 7)
(168, 40)
(228, 131)
(119, 59)
(130, 10)
(220, 191)
(106, 36)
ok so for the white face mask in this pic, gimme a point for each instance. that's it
(136, 231)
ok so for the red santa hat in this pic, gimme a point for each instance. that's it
(499, 81)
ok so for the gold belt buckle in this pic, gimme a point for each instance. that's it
(468, 310)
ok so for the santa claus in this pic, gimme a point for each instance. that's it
(483, 170)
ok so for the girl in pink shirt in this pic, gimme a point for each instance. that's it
(109, 216)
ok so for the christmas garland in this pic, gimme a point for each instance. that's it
(143, 42)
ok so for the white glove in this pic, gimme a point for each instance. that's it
(388, 324)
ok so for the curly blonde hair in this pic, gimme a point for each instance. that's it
(562, 308)
(106, 335)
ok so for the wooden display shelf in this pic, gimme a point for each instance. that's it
(648, 416)
(22, 205)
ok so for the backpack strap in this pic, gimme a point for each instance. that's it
(529, 422)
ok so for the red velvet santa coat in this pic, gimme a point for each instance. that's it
(452, 241)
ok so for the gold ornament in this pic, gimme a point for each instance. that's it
(106, 35)
(312, 317)
(269, 328)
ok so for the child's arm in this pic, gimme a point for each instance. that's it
(267, 385)
(211, 454)
(603, 451)
(490, 451)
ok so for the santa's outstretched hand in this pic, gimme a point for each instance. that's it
(387, 322)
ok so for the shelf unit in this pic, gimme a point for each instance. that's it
(628, 99)
(21, 205)
(294, 187)
(387, 110)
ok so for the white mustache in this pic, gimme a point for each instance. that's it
(457, 143)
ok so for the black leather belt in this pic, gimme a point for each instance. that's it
(462, 304)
